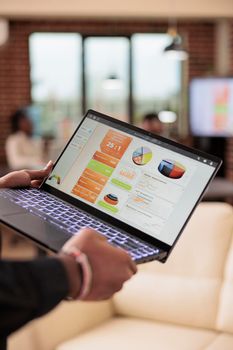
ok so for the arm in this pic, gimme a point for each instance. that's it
(29, 289)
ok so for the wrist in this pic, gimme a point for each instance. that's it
(74, 275)
(86, 272)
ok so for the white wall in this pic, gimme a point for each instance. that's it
(117, 8)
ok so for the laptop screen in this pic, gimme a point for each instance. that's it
(140, 180)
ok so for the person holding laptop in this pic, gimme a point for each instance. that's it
(86, 268)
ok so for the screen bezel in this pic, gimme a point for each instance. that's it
(189, 109)
(108, 218)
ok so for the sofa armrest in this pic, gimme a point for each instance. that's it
(67, 321)
(22, 339)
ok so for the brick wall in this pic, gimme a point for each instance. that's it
(14, 59)
(14, 78)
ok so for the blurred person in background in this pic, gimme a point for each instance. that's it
(22, 149)
(151, 123)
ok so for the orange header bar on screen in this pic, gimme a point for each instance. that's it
(85, 194)
(92, 175)
(90, 185)
(104, 158)
(115, 144)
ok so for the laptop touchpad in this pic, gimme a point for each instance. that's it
(37, 229)
(8, 207)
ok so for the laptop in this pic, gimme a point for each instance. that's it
(136, 188)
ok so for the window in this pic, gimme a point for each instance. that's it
(122, 76)
(56, 80)
(156, 78)
(107, 75)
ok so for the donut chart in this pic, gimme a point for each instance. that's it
(111, 199)
(171, 169)
(142, 156)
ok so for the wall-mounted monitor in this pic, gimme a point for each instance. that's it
(211, 107)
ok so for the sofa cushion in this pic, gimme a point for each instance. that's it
(186, 289)
(222, 342)
(67, 320)
(203, 246)
(225, 315)
(135, 334)
(23, 339)
(185, 301)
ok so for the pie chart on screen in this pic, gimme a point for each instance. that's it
(171, 169)
(142, 156)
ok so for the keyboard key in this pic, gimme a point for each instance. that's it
(68, 218)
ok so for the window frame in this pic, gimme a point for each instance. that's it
(184, 69)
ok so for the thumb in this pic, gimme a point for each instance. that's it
(48, 166)
(40, 174)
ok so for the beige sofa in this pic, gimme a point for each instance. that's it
(185, 304)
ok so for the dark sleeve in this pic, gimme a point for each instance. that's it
(28, 290)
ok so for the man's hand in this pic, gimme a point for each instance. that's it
(111, 266)
(25, 178)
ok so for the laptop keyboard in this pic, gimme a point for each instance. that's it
(71, 219)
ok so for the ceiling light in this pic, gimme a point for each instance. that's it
(112, 83)
(175, 50)
(167, 117)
